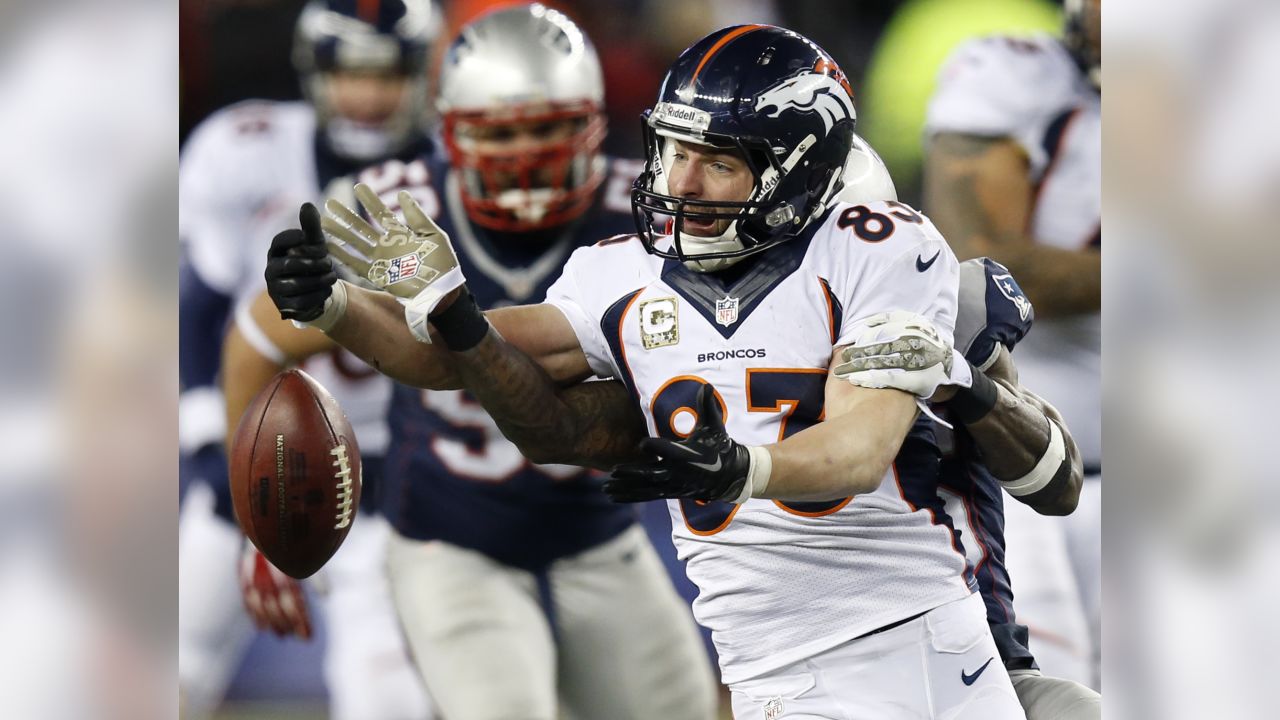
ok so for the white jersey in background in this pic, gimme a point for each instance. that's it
(243, 174)
(781, 582)
(1032, 91)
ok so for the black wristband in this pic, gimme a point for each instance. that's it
(971, 404)
(462, 326)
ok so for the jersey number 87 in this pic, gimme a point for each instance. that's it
(796, 392)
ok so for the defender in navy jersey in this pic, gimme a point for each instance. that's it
(451, 475)
(362, 67)
(522, 591)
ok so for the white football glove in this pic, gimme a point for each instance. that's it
(899, 350)
(413, 261)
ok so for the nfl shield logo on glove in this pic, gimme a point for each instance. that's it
(402, 268)
(727, 311)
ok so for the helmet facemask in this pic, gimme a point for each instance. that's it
(775, 210)
(527, 187)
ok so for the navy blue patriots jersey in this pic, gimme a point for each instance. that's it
(993, 311)
(450, 474)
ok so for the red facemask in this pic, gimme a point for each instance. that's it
(530, 188)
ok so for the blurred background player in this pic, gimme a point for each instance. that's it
(1013, 171)
(363, 71)
(523, 591)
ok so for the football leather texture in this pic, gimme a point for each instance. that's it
(295, 474)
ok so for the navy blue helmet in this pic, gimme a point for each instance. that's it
(366, 36)
(779, 100)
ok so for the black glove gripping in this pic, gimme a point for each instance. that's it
(708, 465)
(299, 275)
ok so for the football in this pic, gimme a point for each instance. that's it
(295, 473)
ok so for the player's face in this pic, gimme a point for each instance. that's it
(698, 172)
(523, 139)
(368, 98)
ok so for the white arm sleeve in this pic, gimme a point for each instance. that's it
(211, 213)
(567, 295)
(901, 285)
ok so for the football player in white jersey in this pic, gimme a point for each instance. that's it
(523, 592)
(363, 68)
(829, 586)
(1013, 171)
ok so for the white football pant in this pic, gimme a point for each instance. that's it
(1084, 546)
(367, 668)
(213, 629)
(943, 665)
(620, 643)
(1046, 596)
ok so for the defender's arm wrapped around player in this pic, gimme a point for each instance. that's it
(1024, 441)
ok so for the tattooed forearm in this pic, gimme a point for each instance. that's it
(610, 426)
(373, 328)
(582, 425)
(979, 194)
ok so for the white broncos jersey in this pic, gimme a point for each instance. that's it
(243, 175)
(1032, 91)
(781, 581)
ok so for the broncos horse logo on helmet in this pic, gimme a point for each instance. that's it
(811, 91)
(779, 100)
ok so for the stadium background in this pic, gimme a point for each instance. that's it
(236, 49)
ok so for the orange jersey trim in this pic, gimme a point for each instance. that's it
(712, 531)
(831, 308)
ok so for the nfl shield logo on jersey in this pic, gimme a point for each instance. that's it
(727, 311)
(773, 709)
